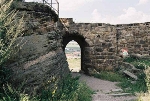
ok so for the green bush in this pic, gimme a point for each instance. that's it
(143, 82)
(68, 89)
(129, 59)
(134, 87)
(10, 29)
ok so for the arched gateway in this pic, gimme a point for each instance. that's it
(100, 43)
(67, 37)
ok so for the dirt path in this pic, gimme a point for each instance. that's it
(105, 90)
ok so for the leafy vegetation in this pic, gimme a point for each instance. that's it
(110, 76)
(10, 29)
(126, 83)
(133, 87)
(68, 89)
(142, 85)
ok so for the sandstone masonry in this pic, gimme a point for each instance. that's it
(41, 58)
(102, 42)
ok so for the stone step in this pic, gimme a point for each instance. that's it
(120, 94)
(113, 91)
(116, 90)
(130, 66)
(130, 74)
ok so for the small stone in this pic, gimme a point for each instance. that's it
(130, 74)
(120, 94)
(116, 90)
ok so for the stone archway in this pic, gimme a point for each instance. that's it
(82, 43)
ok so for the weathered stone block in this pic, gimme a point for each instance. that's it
(144, 45)
(100, 57)
(142, 42)
(131, 41)
(137, 46)
(112, 49)
(99, 61)
(122, 41)
(99, 49)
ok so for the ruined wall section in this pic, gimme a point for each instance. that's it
(136, 37)
(41, 58)
(101, 52)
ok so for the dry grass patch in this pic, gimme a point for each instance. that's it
(74, 63)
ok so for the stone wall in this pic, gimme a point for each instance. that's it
(41, 58)
(102, 50)
(42, 55)
(136, 37)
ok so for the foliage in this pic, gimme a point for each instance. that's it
(110, 76)
(143, 82)
(127, 84)
(133, 87)
(10, 29)
(138, 63)
(129, 59)
(68, 89)
(9, 94)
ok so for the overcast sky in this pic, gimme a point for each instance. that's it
(105, 11)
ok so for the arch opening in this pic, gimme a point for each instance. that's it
(73, 54)
(81, 42)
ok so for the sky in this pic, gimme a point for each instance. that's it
(104, 11)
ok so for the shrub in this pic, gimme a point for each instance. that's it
(68, 89)
(143, 82)
(10, 29)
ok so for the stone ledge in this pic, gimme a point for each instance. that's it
(34, 6)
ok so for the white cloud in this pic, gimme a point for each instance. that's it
(69, 5)
(141, 2)
(130, 15)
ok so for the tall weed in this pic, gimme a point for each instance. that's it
(10, 29)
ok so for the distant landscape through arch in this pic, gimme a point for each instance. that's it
(73, 54)
(81, 42)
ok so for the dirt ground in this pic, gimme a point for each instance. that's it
(105, 90)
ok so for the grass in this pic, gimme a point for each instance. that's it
(127, 84)
(74, 63)
(68, 89)
(110, 76)
(142, 86)
(138, 63)
(136, 87)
